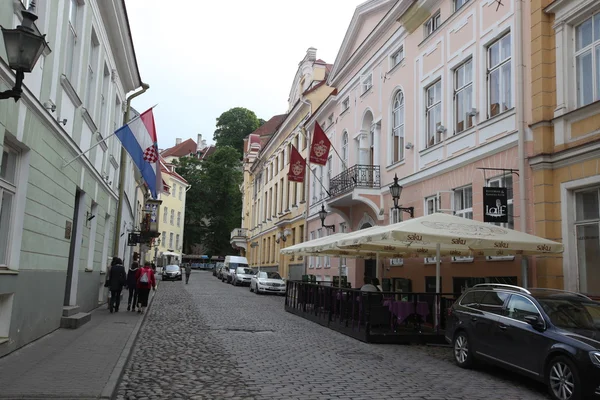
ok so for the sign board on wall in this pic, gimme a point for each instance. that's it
(495, 204)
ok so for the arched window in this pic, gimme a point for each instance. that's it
(397, 142)
(345, 150)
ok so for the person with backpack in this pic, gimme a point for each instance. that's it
(145, 281)
(132, 286)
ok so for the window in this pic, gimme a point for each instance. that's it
(345, 150)
(587, 60)
(432, 24)
(396, 57)
(319, 261)
(397, 148)
(328, 179)
(367, 83)
(433, 113)
(91, 79)
(8, 190)
(171, 240)
(346, 104)
(163, 239)
(499, 76)
(463, 96)
(507, 182)
(275, 203)
(519, 307)
(172, 221)
(463, 206)
(71, 40)
(587, 229)
(180, 193)
(103, 125)
(458, 4)
(493, 301)
(314, 185)
(165, 214)
(178, 218)
(174, 190)
(177, 242)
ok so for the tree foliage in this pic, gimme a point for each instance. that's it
(233, 126)
(214, 204)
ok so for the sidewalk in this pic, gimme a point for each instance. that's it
(84, 363)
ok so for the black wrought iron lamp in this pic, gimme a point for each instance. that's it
(396, 191)
(322, 216)
(23, 48)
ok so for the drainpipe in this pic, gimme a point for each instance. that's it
(122, 164)
(522, 126)
(306, 175)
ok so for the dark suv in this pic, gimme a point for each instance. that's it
(550, 335)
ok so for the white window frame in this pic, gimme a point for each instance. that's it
(10, 188)
(346, 104)
(329, 172)
(396, 58)
(433, 23)
(501, 180)
(164, 238)
(170, 240)
(458, 4)
(177, 242)
(73, 25)
(366, 83)
(178, 218)
(180, 192)
(345, 139)
(499, 67)
(464, 89)
(436, 206)
(90, 90)
(431, 109)
(594, 49)
(463, 212)
(172, 218)
(165, 215)
(398, 127)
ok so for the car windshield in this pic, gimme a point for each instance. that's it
(235, 266)
(246, 271)
(572, 314)
(269, 275)
(172, 268)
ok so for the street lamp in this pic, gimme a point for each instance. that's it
(23, 48)
(396, 191)
(323, 215)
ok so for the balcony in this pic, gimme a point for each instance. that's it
(239, 238)
(357, 176)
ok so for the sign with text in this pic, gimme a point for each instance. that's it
(495, 204)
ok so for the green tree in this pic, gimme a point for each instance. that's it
(233, 126)
(214, 205)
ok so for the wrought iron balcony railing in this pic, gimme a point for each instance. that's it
(357, 176)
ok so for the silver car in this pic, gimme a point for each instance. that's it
(267, 282)
(242, 276)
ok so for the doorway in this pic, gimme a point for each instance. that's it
(371, 268)
(74, 250)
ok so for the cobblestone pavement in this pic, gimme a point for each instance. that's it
(210, 340)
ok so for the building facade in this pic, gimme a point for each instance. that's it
(172, 217)
(565, 81)
(57, 216)
(427, 92)
(274, 208)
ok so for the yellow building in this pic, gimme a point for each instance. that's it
(565, 81)
(171, 216)
(274, 209)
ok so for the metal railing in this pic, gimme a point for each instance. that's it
(357, 176)
(239, 233)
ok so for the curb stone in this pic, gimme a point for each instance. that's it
(110, 389)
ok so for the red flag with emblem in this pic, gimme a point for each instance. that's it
(297, 166)
(319, 149)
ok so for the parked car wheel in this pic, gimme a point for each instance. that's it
(462, 350)
(252, 290)
(562, 379)
(256, 289)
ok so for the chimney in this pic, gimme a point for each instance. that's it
(177, 141)
(311, 54)
(199, 143)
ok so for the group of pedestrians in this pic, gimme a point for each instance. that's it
(137, 280)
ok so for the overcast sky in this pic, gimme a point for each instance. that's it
(202, 58)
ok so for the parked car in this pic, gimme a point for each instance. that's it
(215, 270)
(242, 276)
(171, 273)
(267, 282)
(220, 271)
(230, 265)
(550, 335)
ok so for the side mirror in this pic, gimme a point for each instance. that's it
(536, 322)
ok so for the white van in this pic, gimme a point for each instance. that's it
(231, 264)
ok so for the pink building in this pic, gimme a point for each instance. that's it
(425, 91)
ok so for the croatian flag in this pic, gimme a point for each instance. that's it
(139, 139)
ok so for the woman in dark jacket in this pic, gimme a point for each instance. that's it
(117, 279)
(132, 286)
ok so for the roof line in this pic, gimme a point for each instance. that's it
(131, 39)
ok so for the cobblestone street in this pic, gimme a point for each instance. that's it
(210, 340)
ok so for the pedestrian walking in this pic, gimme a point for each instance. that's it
(117, 279)
(145, 281)
(132, 286)
(106, 281)
(188, 271)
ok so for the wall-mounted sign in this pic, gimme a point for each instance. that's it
(495, 204)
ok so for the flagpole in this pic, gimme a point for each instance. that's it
(65, 164)
(122, 165)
